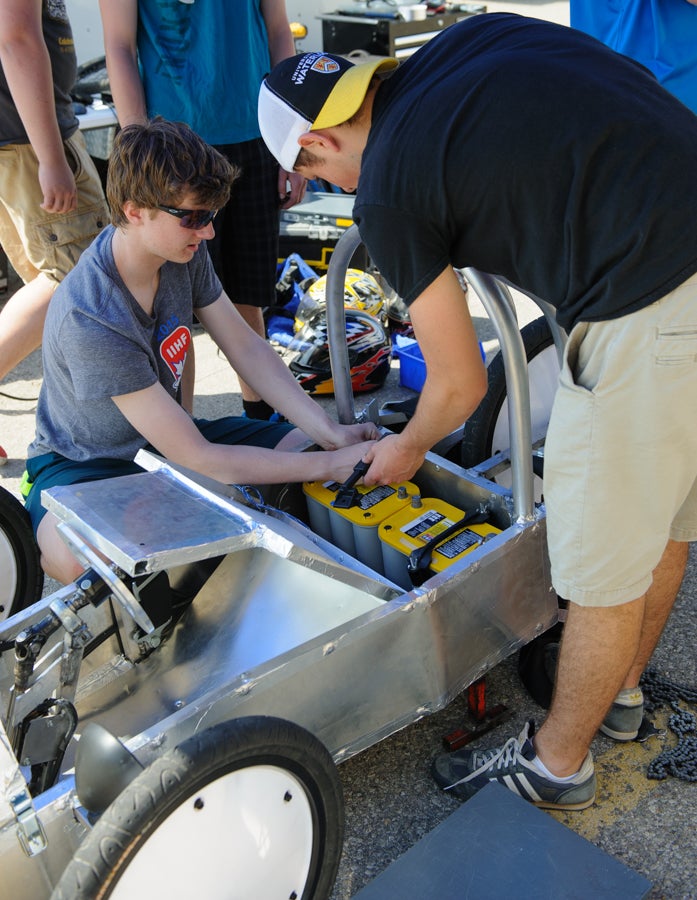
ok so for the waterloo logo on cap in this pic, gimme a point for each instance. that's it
(325, 65)
(314, 62)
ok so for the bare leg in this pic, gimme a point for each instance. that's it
(603, 650)
(56, 559)
(667, 578)
(22, 322)
(254, 317)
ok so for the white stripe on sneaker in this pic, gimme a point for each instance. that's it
(511, 784)
(519, 784)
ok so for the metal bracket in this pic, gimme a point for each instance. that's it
(485, 718)
(73, 624)
(30, 831)
(88, 557)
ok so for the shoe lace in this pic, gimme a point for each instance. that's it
(494, 760)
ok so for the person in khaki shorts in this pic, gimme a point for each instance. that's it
(51, 200)
(531, 151)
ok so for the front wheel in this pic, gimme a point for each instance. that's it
(249, 808)
(22, 578)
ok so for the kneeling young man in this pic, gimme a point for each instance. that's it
(117, 336)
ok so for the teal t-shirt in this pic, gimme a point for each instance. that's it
(202, 63)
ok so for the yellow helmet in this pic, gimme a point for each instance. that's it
(361, 292)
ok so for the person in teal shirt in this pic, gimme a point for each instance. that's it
(201, 62)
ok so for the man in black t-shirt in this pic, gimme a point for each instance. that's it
(533, 152)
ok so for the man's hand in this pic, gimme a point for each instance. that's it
(391, 461)
(347, 435)
(455, 380)
(291, 188)
(342, 462)
(26, 64)
(58, 185)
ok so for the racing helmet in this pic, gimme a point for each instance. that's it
(361, 291)
(369, 351)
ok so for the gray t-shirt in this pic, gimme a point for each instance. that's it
(99, 343)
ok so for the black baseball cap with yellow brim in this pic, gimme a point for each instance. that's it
(308, 92)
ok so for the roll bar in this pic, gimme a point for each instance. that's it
(498, 303)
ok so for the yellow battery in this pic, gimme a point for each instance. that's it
(355, 530)
(413, 527)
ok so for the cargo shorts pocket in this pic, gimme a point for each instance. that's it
(62, 240)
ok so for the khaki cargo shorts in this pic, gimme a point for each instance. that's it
(36, 241)
(621, 450)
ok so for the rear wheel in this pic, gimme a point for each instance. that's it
(249, 808)
(22, 577)
(486, 432)
(537, 665)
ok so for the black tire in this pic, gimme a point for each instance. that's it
(537, 665)
(22, 577)
(486, 431)
(170, 793)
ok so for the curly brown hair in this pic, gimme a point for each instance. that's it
(161, 161)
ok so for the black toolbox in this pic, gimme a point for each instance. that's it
(312, 228)
(379, 36)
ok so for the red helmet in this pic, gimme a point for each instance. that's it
(369, 349)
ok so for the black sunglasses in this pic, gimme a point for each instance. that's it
(191, 218)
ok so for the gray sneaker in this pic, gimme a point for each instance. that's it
(623, 721)
(463, 773)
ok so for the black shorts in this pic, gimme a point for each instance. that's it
(245, 247)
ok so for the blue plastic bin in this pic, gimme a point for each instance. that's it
(412, 368)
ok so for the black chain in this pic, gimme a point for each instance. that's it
(681, 760)
(21, 399)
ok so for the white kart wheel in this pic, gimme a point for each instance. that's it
(254, 829)
(250, 808)
(486, 431)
